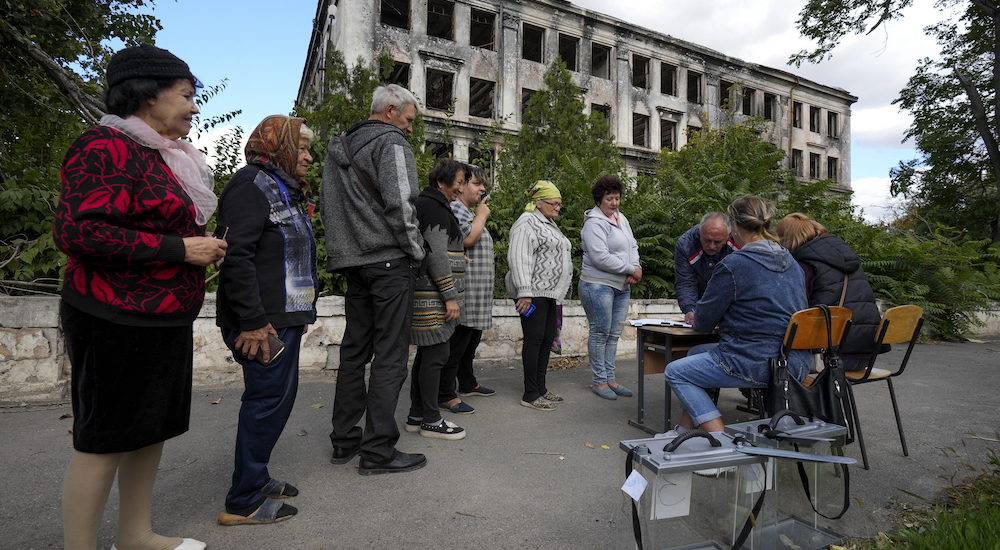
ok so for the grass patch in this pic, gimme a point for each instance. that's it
(967, 518)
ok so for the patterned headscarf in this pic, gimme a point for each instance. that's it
(541, 190)
(276, 141)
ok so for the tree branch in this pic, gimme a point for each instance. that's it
(89, 108)
(986, 133)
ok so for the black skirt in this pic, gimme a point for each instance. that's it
(131, 384)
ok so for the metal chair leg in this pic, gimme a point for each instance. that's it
(895, 409)
(857, 425)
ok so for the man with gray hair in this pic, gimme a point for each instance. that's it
(695, 256)
(367, 199)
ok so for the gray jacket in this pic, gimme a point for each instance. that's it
(358, 230)
(610, 252)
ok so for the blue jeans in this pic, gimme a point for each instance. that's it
(606, 309)
(690, 376)
(267, 403)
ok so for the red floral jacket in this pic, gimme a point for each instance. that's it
(121, 219)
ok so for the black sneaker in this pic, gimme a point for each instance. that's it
(444, 430)
(413, 424)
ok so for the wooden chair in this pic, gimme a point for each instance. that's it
(899, 325)
(806, 330)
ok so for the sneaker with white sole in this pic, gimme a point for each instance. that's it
(444, 430)
(413, 424)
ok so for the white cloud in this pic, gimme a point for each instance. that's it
(880, 127)
(872, 196)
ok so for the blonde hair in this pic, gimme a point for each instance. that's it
(796, 229)
(752, 213)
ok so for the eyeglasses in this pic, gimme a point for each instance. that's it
(552, 204)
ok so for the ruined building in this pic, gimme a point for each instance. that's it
(489, 55)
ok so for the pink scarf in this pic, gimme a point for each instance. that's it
(185, 161)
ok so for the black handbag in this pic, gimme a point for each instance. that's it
(824, 399)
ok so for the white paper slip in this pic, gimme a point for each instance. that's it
(635, 485)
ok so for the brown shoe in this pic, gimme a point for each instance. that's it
(540, 404)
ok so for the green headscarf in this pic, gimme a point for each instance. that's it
(541, 190)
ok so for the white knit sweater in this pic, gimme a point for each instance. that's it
(538, 259)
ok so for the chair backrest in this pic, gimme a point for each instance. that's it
(900, 324)
(807, 328)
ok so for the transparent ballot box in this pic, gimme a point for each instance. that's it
(695, 491)
(806, 497)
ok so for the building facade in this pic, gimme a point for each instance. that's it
(485, 57)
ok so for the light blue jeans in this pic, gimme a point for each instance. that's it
(606, 309)
(690, 376)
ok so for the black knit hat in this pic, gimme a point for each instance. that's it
(146, 61)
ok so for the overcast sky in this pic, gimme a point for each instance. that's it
(261, 49)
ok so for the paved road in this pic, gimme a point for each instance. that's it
(521, 479)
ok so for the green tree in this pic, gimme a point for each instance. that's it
(953, 100)
(557, 142)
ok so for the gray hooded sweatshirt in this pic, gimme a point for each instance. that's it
(358, 230)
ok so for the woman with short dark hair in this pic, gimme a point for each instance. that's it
(131, 219)
(610, 266)
(438, 295)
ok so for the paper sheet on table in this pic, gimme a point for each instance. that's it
(658, 322)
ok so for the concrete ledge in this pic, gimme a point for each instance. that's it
(33, 365)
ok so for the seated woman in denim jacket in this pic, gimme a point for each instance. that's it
(751, 296)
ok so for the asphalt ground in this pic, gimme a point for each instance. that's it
(521, 479)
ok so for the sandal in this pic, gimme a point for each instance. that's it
(540, 405)
(549, 396)
(279, 489)
(270, 511)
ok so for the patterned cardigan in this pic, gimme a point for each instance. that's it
(538, 259)
(443, 270)
(121, 219)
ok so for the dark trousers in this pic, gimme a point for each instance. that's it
(267, 402)
(539, 331)
(461, 354)
(425, 381)
(379, 307)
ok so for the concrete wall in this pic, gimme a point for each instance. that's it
(33, 364)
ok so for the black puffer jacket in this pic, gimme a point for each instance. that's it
(830, 258)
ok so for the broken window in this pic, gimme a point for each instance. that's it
(814, 166)
(481, 97)
(532, 41)
(832, 125)
(725, 92)
(600, 61)
(668, 133)
(693, 131)
(438, 150)
(748, 97)
(400, 74)
(640, 71)
(525, 99)
(814, 119)
(797, 116)
(482, 30)
(770, 102)
(605, 111)
(832, 168)
(796, 161)
(640, 130)
(668, 79)
(439, 89)
(569, 47)
(440, 15)
(694, 87)
(395, 13)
